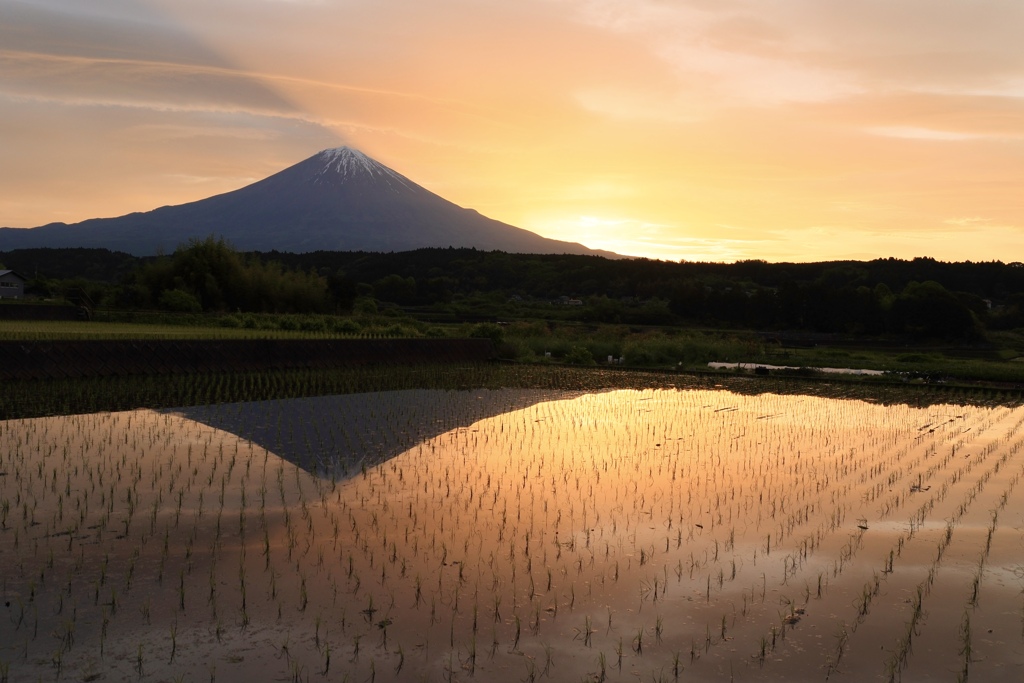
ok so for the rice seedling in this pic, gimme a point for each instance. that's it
(965, 647)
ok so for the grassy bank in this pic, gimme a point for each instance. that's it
(998, 359)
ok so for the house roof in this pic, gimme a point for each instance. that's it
(14, 273)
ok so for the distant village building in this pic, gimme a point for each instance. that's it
(12, 285)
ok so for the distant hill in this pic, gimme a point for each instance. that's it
(337, 200)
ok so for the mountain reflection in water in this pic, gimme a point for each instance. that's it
(334, 436)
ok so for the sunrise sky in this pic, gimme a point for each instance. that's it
(785, 130)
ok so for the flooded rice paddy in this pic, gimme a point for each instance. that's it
(654, 535)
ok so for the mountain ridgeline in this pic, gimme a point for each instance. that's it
(337, 200)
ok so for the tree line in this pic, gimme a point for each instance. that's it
(202, 276)
(920, 297)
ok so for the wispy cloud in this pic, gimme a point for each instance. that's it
(915, 133)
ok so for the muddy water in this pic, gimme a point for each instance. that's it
(653, 535)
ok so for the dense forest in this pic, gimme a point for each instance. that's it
(922, 297)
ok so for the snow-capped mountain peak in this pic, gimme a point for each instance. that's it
(346, 163)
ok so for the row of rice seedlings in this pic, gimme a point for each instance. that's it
(33, 398)
(527, 526)
(873, 586)
(975, 569)
(101, 471)
(643, 554)
(899, 657)
(900, 653)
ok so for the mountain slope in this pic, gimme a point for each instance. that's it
(336, 200)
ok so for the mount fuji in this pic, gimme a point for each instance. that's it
(336, 200)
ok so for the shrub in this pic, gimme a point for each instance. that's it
(579, 355)
(365, 306)
(180, 301)
(346, 326)
(516, 349)
(487, 331)
(313, 325)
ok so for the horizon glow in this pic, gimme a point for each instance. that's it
(795, 130)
